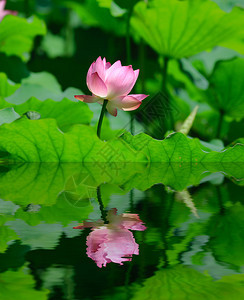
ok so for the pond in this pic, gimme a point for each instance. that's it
(121, 231)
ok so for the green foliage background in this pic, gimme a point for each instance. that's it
(190, 53)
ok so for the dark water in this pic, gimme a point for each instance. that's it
(141, 231)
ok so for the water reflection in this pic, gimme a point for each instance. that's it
(182, 256)
(112, 240)
(42, 183)
(188, 201)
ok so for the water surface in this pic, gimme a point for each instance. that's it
(121, 231)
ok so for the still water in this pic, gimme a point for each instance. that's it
(112, 231)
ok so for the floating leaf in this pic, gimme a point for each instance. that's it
(66, 112)
(168, 29)
(41, 141)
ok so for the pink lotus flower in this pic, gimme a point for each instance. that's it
(112, 83)
(3, 12)
(113, 242)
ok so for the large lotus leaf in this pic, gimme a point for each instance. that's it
(183, 28)
(19, 285)
(227, 235)
(66, 112)
(17, 34)
(184, 283)
(226, 92)
(178, 148)
(41, 141)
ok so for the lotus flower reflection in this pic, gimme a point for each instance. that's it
(112, 83)
(113, 242)
(4, 12)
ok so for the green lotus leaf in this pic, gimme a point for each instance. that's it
(225, 91)
(42, 141)
(180, 29)
(93, 15)
(17, 34)
(7, 87)
(41, 85)
(65, 112)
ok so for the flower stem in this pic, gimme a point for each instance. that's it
(99, 126)
(101, 206)
(165, 74)
(166, 94)
(131, 200)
